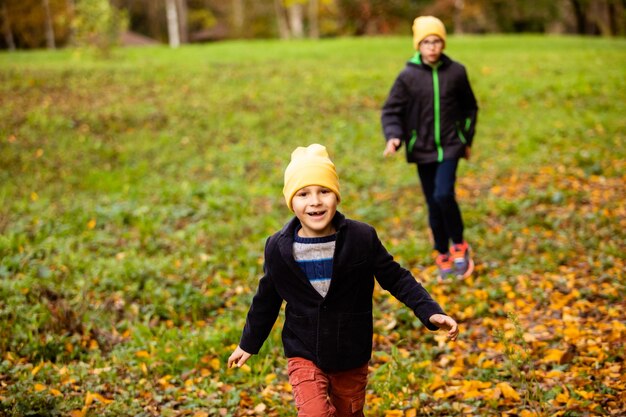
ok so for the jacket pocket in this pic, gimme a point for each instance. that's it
(305, 386)
(355, 333)
(461, 130)
(301, 331)
(412, 140)
(461, 136)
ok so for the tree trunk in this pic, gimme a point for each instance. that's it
(238, 16)
(314, 15)
(50, 43)
(295, 20)
(154, 15)
(283, 28)
(183, 17)
(581, 22)
(172, 23)
(6, 28)
(69, 11)
(458, 16)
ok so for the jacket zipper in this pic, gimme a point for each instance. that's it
(437, 113)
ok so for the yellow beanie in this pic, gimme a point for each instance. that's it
(424, 26)
(309, 166)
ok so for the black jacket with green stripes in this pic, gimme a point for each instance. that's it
(432, 110)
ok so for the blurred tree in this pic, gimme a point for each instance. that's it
(32, 24)
(281, 20)
(183, 20)
(369, 17)
(295, 11)
(49, 28)
(97, 24)
(603, 17)
(172, 23)
(314, 13)
(6, 27)
(41, 23)
(239, 18)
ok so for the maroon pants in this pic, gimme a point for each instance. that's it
(327, 394)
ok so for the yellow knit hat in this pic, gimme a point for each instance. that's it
(424, 26)
(309, 166)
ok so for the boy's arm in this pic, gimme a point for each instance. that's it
(263, 311)
(470, 108)
(393, 111)
(402, 285)
(261, 316)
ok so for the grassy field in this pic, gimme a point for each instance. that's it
(136, 194)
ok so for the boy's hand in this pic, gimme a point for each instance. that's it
(446, 323)
(238, 358)
(392, 146)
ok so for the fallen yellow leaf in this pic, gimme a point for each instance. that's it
(55, 392)
(553, 355)
(508, 391)
(437, 383)
(36, 369)
(585, 394)
(101, 398)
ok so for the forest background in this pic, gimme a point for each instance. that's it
(29, 24)
(137, 188)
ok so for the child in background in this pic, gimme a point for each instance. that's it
(323, 265)
(431, 109)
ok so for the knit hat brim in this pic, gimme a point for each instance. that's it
(424, 26)
(309, 166)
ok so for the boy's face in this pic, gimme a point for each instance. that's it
(315, 207)
(430, 49)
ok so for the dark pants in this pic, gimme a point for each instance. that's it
(444, 215)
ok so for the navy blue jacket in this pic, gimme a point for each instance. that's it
(432, 110)
(335, 332)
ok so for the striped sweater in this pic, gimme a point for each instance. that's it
(315, 256)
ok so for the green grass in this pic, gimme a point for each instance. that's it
(136, 194)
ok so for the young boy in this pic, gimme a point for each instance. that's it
(431, 108)
(323, 266)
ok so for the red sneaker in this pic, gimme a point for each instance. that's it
(463, 263)
(445, 265)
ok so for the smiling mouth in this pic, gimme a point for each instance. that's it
(316, 213)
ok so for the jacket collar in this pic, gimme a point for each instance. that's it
(417, 60)
(285, 245)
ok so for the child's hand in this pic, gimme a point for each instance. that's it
(238, 358)
(446, 323)
(391, 147)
